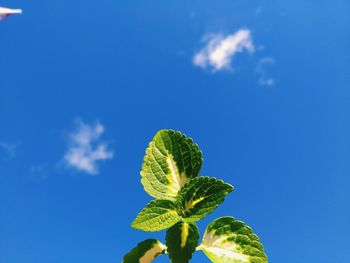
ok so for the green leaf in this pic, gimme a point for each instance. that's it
(171, 160)
(145, 252)
(182, 240)
(227, 240)
(201, 196)
(157, 215)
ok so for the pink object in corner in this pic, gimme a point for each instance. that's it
(5, 12)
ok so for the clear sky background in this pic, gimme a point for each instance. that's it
(274, 122)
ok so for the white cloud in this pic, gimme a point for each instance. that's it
(85, 149)
(220, 50)
(264, 80)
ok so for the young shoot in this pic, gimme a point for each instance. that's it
(170, 174)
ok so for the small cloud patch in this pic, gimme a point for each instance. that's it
(219, 50)
(264, 80)
(85, 148)
(9, 148)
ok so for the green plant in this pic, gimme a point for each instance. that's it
(170, 174)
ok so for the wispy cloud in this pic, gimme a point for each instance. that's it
(85, 148)
(39, 173)
(264, 80)
(258, 10)
(9, 148)
(219, 50)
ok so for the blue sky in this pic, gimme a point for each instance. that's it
(273, 121)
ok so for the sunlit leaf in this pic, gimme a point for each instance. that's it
(227, 240)
(171, 160)
(157, 215)
(181, 241)
(145, 252)
(201, 196)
